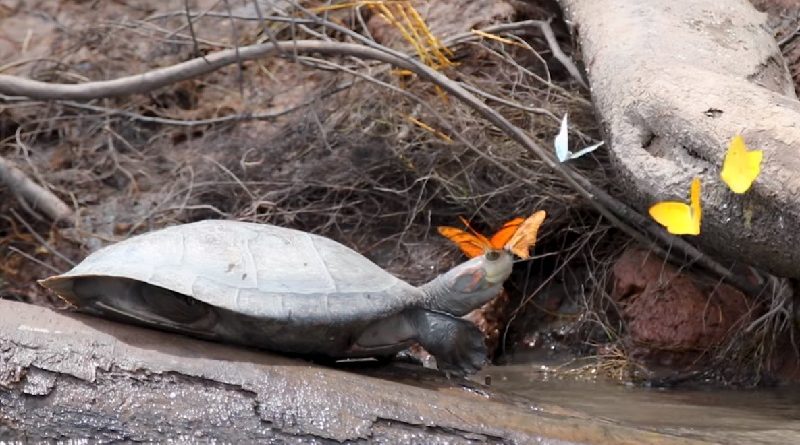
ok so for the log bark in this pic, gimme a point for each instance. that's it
(67, 376)
(673, 81)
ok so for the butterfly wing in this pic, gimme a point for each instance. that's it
(586, 150)
(676, 217)
(525, 237)
(501, 237)
(470, 244)
(740, 166)
(561, 142)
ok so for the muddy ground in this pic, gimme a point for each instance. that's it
(375, 160)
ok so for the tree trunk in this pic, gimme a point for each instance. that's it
(673, 81)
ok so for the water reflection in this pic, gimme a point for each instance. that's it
(762, 416)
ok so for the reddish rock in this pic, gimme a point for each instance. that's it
(670, 311)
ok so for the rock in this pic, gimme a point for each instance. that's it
(673, 81)
(671, 315)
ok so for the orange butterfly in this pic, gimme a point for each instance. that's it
(474, 244)
(517, 235)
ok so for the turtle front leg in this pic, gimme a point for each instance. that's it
(457, 344)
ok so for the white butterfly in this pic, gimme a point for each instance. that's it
(562, 145)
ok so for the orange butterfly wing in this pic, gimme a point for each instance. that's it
(524, 238)
(501, 237)
(470, 244)
(474, 244)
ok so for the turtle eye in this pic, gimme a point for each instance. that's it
(492, 255)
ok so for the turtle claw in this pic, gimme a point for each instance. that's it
(457, 344)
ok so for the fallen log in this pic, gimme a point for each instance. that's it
(66, 376)
(673, 81)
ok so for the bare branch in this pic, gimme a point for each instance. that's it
(230, 118)
(31, 193)
(547, 30)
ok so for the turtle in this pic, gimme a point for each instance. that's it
(284, 290)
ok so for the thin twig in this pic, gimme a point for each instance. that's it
(264, 25)
(194, 16)
(519, 106)
(573, 70)
(32, 193)
(41, 240)
(35, 260)
(523, 25)
(196, 50)
(239, 66)
(526, 25)
(232, 175)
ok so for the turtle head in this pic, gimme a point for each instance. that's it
(469, 285)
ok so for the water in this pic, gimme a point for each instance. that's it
(762, 416)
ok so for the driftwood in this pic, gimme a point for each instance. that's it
(78, 377)
(673, 81)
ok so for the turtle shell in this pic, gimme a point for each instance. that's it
(258, 270)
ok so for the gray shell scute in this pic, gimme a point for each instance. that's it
(257, 269)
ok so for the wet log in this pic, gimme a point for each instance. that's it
(66, 376)
(673, 81)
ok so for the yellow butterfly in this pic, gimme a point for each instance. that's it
(741, 166)
(680, 218)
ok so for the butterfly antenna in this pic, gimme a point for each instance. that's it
(531, 258)
(468, 226)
